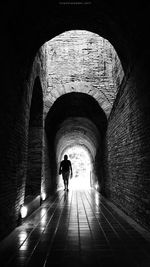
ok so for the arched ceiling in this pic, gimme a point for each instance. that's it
(75, 119)
(73, 105)
(82, 61)
(77, 131)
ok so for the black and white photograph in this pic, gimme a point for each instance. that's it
(75, 133)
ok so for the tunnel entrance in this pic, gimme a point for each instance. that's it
(82, 74)
(81, 67)
(76, 124)
(81, 165)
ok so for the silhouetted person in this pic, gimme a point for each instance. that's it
(65, 169)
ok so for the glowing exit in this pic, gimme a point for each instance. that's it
(81, 165)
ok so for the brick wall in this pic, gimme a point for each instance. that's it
(127, 152)
(35, 137)
(15, 115)
(82, 61)
(13, 162)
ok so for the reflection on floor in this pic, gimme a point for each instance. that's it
(75, 228)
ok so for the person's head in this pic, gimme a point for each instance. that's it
(65, 157)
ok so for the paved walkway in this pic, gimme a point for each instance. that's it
(75, 228)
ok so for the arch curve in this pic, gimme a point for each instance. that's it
(75, 119)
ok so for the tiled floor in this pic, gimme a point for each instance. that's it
(75, 228)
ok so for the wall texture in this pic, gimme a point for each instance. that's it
(127, 151)
(82, 61)
(14, 135)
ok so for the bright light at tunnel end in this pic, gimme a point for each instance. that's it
(81, 165)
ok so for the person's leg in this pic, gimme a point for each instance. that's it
(64, 183)
(63, 176)
(67, 178)
(67, 183)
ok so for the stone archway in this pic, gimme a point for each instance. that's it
(81, 61)
(76, 125)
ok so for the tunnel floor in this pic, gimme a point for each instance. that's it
(75, 228)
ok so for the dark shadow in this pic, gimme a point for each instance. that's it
(35, 133)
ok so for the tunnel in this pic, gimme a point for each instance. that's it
(75, 80)
(79, 120)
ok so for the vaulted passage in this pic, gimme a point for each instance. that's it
(75, 80)
(79, 120)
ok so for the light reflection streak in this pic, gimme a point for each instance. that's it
(23, 241)
(97, 200)
(43, 219)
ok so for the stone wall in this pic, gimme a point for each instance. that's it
(127, 154)
(82, 61)
(15, 115)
